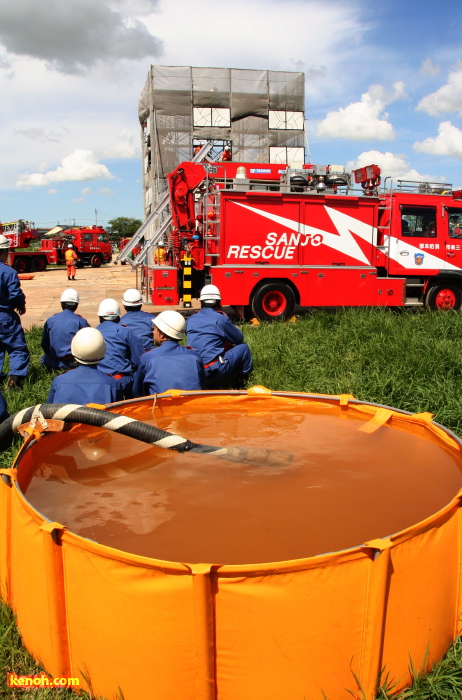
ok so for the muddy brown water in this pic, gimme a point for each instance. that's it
(342, 488)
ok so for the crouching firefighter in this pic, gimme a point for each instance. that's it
(220, 344)
(86, 384)
(123, 348)
(59, 331)
(169, 365)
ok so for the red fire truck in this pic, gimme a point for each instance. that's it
(271, 237)
(91, 244)
(122, 243)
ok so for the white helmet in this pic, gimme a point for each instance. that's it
(88, 346)
(4, 242)
(70, 295)
(69, 245)
(109, 309)
(210, 293)
(132, 297)
(171, 323)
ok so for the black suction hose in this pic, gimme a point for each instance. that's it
(74, 413)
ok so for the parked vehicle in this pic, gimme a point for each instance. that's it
(91, 244)
(270, 237)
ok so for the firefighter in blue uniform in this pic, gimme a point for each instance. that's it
(3, 409)
(138, 321)
(169, 365)
(59, 330)
(86, 384)
(123, 349)
(8, 439)
(12, 338)
(219, 343)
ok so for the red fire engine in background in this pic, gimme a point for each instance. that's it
(91, 244)
(123, 242)
(271, 237)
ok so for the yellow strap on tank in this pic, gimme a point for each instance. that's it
(381, 417)
(426, 419)
(344, 398)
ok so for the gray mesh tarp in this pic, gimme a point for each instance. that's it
(182, 105)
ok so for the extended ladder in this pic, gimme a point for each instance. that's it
(152, 222)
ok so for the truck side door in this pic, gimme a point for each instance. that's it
(452, 222)
(415, 243)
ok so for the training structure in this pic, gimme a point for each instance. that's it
(312, 626)
(258, 113)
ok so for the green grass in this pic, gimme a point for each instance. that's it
(404, 359)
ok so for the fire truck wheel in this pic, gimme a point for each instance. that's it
(442, 297)
(95, 261)
(273, 301)
(39, 264)
(21, 265)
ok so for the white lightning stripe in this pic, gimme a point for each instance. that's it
(170, 441)
(343, 243)
(408, 262)
(118, 422)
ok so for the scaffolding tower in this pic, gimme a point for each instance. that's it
(258, 113)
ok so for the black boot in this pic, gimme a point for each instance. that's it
(15, 382)
(69, 279)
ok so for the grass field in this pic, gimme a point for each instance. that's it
(404, 359)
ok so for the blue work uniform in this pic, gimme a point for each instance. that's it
(83, 385)
(140, 323)
(123, 352)
(211, 334)
(8, 439)
(170, 366)
(58, 333)
(12, 338)
(3, 409)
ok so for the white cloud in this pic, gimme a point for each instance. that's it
(392, 165)
(124, 148)
(252, 29)
(52, 191)
(79, 165)
(447, 143)
(448, 98)
(106, 192)
(86, 192)
(429, 68)
(360, 121)
(79, 200)
(74, 35)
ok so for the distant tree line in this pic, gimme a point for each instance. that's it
(122, 227)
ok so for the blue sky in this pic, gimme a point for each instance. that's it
(383, 85)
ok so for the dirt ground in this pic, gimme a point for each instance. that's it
(43, 292)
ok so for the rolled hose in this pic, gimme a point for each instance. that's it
(150, 434)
